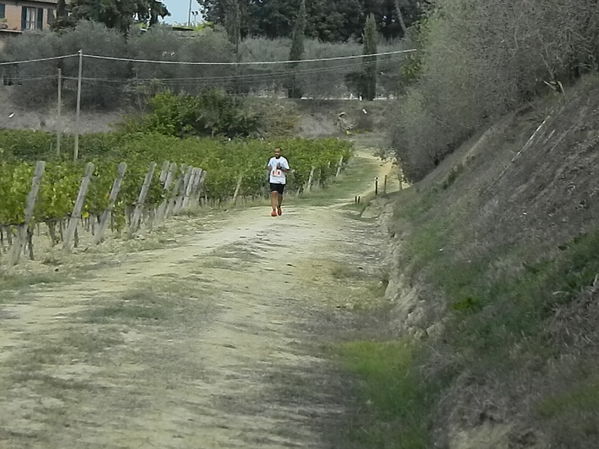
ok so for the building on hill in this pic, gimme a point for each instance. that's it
(17, 16)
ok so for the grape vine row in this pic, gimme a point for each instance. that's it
(225, 162)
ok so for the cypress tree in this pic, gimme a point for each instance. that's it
(233, 23)
(62, 19)
(297, 51)
(369, 62)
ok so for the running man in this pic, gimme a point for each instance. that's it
(278, 167)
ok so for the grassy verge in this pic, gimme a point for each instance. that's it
(398, 400)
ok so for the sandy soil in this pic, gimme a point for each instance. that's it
(221, 340)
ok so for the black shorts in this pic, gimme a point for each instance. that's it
(277, 188)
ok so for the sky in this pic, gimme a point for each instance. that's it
(179, 10)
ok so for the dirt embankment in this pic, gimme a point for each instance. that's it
(495, 268)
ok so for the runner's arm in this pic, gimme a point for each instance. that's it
(285, 168)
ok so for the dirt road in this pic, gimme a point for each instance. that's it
(220, 340)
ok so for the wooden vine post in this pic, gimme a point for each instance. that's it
(141, 200)
(339, 167)
(76, 215)
(161, 214)
(23, 230)
(198, 192)
(114, 193)
(178, 185)
(196, 187)
(191, 183)
(183, 189)
(237, 188)
(164, 172)
(310, 180)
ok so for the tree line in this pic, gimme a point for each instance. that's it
(326, 20)
(117, 14)
(338, 21)
(113, 84)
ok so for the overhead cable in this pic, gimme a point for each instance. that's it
(298, 61)
(28, 61)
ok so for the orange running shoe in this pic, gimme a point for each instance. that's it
(273, 213)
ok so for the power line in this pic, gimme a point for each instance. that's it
(244, 76)
(337, 58)
(261, 74)
(28, 61)
(33, 77)
(151, 61)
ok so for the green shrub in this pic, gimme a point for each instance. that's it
(211, 113)
(25, 144)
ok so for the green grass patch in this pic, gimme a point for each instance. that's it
(427, 243)
(453, 176)
(142, 305)
(342, 272)
(571, 416)
(12, 286)
(414, 206)
(399, 398)
(579, 398)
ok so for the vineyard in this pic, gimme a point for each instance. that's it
(129, 180)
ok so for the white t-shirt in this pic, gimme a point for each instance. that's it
(278, 176)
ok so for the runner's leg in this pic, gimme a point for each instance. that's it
(280, 200)
(274, 201)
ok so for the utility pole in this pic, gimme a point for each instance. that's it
(59, 113)
(189, 15)
(78, 116)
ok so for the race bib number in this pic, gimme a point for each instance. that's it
(277, 172)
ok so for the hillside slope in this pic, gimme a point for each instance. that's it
(495, 273)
